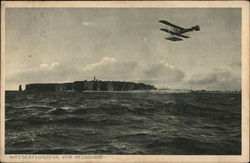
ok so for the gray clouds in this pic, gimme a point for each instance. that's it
(108, 68)
(112, 68)
(221, 79)
(105, 69)
(163, 70)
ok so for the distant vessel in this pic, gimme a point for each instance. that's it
(94, 85)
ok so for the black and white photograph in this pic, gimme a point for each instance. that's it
(123, 81)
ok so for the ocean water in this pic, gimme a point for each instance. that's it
(146, 122)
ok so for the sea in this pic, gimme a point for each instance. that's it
(131, 123)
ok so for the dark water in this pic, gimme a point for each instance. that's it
(123, 123)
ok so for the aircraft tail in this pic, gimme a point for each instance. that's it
(196, 28)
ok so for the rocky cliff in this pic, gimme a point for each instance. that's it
(89, 86)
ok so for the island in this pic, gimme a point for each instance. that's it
(93, 85)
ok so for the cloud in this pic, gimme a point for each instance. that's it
(45, 72)
(164, 71)
(85, 23)
(109, 68)
(103, 62)
(114, 69)
(159, 73)
(221, 79)
(45, 66)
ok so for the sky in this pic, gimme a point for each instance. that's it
(48, 45)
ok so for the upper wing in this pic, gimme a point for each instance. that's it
(173, 33)
(170, 24)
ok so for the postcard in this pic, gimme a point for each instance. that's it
(125, 81)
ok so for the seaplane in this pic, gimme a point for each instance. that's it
(177, 32)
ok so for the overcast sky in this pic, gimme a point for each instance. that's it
(62, 45)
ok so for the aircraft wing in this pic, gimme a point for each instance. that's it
(170, 24)
(173, 39)
(173, 33)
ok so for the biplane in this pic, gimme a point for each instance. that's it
(177, 32)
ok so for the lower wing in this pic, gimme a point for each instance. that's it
(173, 33)
(173, 39)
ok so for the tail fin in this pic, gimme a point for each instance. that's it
(196, 28)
